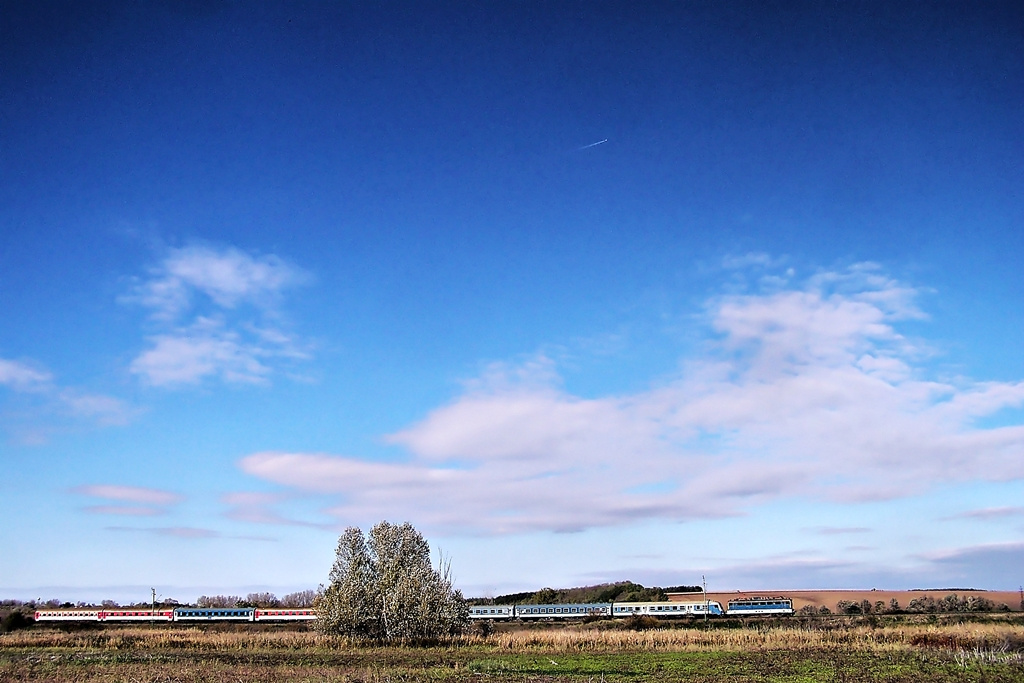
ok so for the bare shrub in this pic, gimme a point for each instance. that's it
(383, 587)
(641, 622)
(299, 599)
(209, 601)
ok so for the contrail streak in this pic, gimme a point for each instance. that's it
(593, 144)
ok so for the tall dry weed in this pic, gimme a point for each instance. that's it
(185, 639)
(953, 637)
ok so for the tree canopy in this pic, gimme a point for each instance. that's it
(384, 587)
(622, 591)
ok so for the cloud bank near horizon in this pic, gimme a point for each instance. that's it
(804, 389)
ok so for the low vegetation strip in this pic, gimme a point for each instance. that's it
(992, 652)
(963, 636)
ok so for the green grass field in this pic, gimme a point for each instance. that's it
(990, 652)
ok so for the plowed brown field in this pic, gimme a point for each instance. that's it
(830, 598)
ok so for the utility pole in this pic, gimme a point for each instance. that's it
(704, 589)
(152, 614)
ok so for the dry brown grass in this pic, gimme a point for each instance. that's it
(966, 636)
(863, 638)
(160, 639)
(900, 653)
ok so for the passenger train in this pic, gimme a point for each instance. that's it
(737, 607)
(182, 614)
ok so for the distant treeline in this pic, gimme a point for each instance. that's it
(622, 591)
(300, 599)
(297, 599)
(922, 605)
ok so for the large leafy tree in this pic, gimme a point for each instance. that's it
(384, 587)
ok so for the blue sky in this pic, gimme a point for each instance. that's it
(269, 271)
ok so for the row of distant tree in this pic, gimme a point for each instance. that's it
(299, 599)
(923, 605)
(622, 591)
(294, 600)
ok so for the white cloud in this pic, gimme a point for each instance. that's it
(809, 392)
(990, 513)
(991, 565)
(173, 531)
(228, 277)
(125, 510)
(216, 316)
(22, 376)
(259, 508)
(748, 260)
(105, 410)
(206, 349)
(131, 494)
(128, 501)
(50, 404)
(187, 533)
